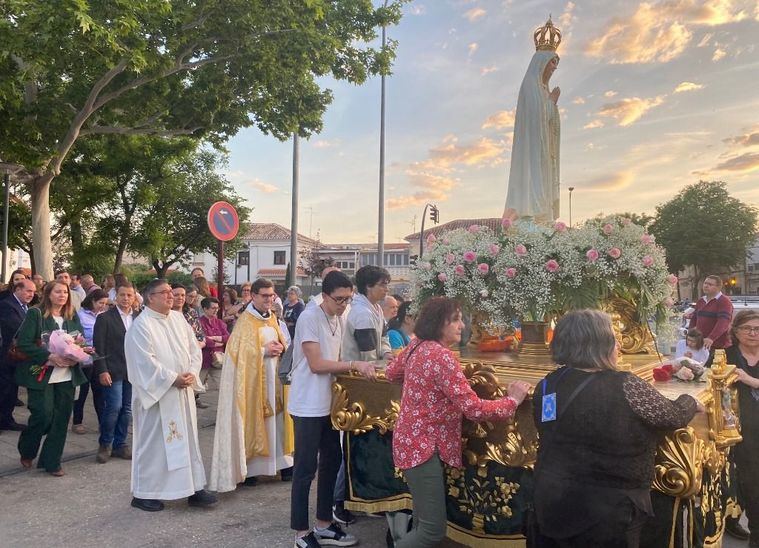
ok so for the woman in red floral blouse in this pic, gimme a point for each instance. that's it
(435, 396)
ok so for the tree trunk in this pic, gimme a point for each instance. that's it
(123, 237)
(77, 242)
(160, 269)
(43, 247)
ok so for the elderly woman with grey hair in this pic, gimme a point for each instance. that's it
(292, 308)
(598, 435)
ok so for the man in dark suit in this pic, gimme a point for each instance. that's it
(112, 388)
(12, 313)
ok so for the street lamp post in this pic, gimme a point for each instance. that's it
(381, 216)
(294, 213)
(571, 188)
(6, 208)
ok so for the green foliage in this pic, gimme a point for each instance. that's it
(203, 68)
(174, 225)
(705, 227)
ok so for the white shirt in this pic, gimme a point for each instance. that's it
(126, 319)
(717, 296)
(59, 374)
(311, 393)
(698, 355)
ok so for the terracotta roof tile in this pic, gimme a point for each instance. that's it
(493, 223)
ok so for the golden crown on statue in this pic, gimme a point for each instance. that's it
(547, 37)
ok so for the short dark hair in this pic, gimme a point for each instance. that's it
(92, 297)
(584, 339)
(403, 311)
(129, 285)
(178, 286)
(59, 272)
(259, 284)
(335, 280)
(369, 276)
(150, 287)
(434, 316)
(206, 303)
(694, 333)
(715, 278)
(744, 316)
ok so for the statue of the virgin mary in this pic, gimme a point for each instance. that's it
(534, 176)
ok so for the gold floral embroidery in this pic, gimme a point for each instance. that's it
(173, 432)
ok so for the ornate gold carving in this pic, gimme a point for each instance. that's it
(722, 403)
(678, 471)
(352, 417)
(633, 335)
(484, 499)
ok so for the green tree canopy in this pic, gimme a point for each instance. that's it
(705, 227)
(72, 69)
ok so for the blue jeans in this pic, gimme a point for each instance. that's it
(116, 413)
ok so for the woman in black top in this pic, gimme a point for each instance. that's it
(598, 435)
(745, 354)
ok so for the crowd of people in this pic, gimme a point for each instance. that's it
(152, 354)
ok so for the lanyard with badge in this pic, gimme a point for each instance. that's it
(549, 400)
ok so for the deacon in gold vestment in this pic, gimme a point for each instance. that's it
(254, 436)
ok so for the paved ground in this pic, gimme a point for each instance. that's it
(89, 507)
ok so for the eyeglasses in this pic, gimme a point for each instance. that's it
(751, 330)
(341, 300)
(165, 292)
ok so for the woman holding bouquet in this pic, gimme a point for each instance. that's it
(50, 379)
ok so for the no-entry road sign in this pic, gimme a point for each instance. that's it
(223, 221)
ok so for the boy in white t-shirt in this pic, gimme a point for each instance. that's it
(316, 358)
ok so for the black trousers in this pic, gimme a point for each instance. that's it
(747, 470)
(84, 391)
(317, 446)
(8, 393)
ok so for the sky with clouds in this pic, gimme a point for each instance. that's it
(654, 96)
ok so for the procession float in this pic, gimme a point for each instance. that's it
(512, 284)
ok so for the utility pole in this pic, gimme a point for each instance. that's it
(381, 216)
(294, 213)
(6, 209)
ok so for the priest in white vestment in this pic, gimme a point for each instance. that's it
(254, 434)
(163, 363)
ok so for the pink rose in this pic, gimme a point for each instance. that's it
(672, 279)
(459, 270)
(484, 268)
(474, 229)
(608, 229)
(506, 224)
(494, 249)
(615, 253)
(669, 302)
(648, 260)
(647, 239)
(592, 255)
(446, 241)
(450, 258)
(431, 238)
(552, 265)
(560, 226)
(511, 272)
(520, 250)
(442, 277)
(470, 256)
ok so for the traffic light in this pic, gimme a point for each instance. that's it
(434, 214)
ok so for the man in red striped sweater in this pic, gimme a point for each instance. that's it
(713, 315)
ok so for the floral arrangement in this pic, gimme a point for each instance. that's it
(66, 345)
(536, 273)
